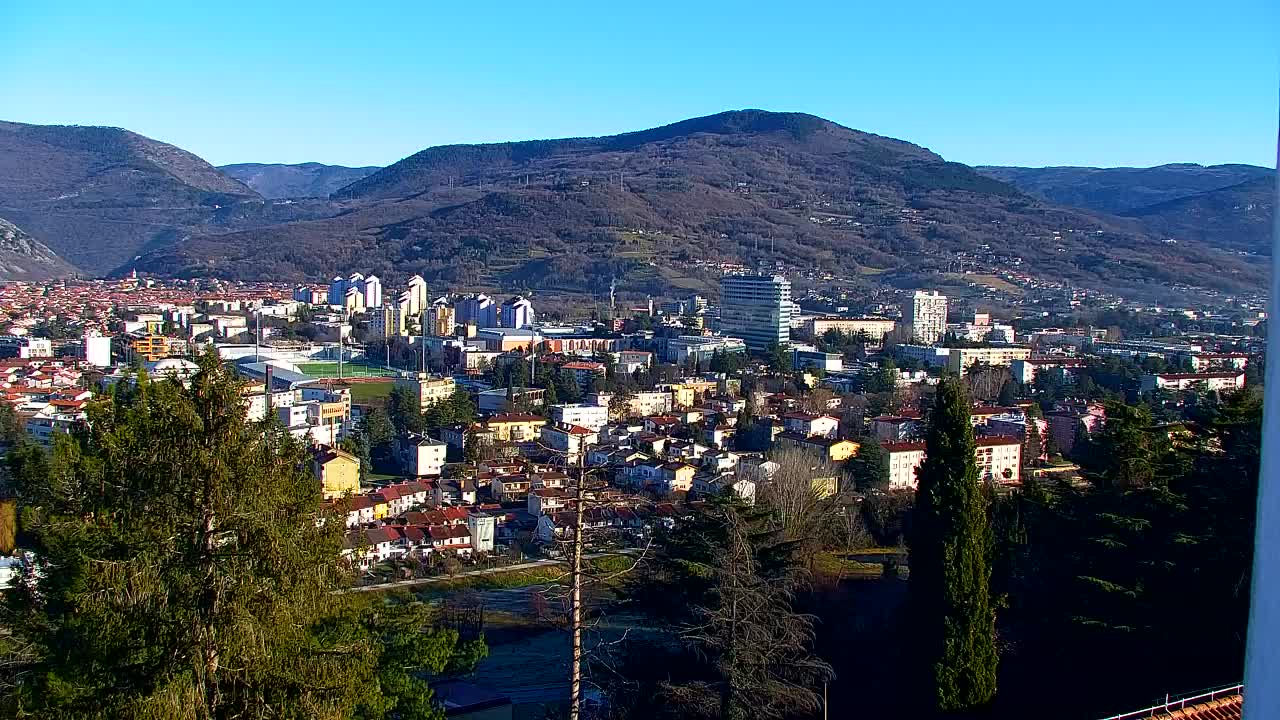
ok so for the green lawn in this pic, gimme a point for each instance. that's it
(367, 392)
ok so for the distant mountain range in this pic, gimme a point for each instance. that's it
(1227, 206)
(649, 208)
(276, 181)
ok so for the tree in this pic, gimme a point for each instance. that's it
(193, 579)
(1033, 444)
(11, 430)
(567, 387)
(869, 469)
(778, 357)
(357, 443)
(736, 648)
(1008, 394)
(405, 410)
(950, 547)
(796, 492)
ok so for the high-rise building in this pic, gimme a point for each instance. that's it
(517, 313)
(417, 295)
(925, 315)
(97, 349)
(368, 288)
(756, 308)
(441, 318)
(478, 309)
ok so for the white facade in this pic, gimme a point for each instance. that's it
(591, 417)
(479, 310)
(1185, 381)
(483, 529)
(517, 313)
(925, 314)
(97, 350)
(426, 458)
(756, 308)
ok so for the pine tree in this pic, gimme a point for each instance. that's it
(950, 556)
(188, 570)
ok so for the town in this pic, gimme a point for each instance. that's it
(453, 429)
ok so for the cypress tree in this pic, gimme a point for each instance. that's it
(950, 546)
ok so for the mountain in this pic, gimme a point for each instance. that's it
(276, 181)
(656, 208)
(22, 257)
(1238, 217)
(100, 196)
(1121, 189)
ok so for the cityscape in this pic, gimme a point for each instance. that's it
(512, 364)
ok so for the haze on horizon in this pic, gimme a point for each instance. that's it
(1135, 84)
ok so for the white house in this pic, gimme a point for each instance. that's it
(592, 417)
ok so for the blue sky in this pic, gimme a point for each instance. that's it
(1122, 82)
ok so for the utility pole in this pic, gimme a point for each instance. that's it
(575, 690)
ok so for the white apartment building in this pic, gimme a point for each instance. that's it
(925, 314)
(516, 312)
(756, 308)
(423, 456)
(1218, 381)
(999, 460)
(592, 417)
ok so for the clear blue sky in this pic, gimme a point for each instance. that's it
(1120, 82)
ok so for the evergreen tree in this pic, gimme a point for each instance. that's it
(869, 469)
(567, 387)
(1033, 445)
(950, 549)
(187, 577)
(405, 410)
(1008, 394)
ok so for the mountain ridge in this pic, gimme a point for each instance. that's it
(645, 207)
(277, 181)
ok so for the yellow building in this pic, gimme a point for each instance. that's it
(151, 347)
(689, 394)
(338, 473)
(830, 449)
(961, 359)
(429, 390)
(515, 427)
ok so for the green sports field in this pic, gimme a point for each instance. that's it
(330, 370)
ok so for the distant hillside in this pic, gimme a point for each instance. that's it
(646, 207)
(276, 181)
(22, 257)
(1239, 217)
(1118, 190)
(98, 196)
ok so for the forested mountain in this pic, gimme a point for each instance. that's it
(1238, 217)
(277, 180)
(745, 186)
(1225, 206)
(570, 215)
(1121, 189)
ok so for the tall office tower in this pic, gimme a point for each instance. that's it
(756, 308)
(926, 315)
(517, 313)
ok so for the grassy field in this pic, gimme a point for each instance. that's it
(368, 392)
(330, 369)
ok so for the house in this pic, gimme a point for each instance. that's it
(584, 371)
(509, 488)
(718, 483)
(811, 425)
(515, 427)
(675, 477)
(422, 455)
(337, 471)
(903, 459)
(1065, 426)
(547, 501)
(830, 449)
(569, 441)
(895, 428)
